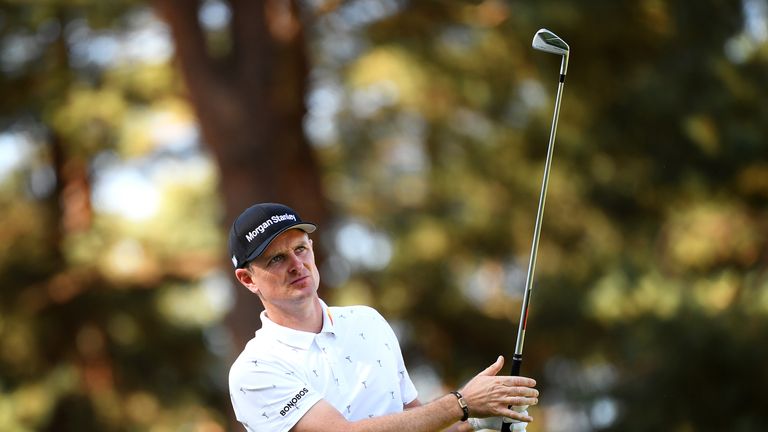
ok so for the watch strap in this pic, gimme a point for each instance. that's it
(462, 405)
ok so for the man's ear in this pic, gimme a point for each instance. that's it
(246, 278)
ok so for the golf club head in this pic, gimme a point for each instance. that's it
(545, 40)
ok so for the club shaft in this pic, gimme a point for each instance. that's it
(517, 358)
(537, 227)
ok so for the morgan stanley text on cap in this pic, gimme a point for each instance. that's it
(257, 226)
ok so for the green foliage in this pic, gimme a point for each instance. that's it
(103, 318)
(652, 258)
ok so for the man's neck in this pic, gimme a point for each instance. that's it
(306, 317)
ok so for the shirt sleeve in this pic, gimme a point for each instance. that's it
(407, 389)
(269, 397)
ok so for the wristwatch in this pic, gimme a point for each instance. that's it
(462, 405)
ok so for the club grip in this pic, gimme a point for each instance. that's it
(517, 362)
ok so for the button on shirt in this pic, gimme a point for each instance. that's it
(354, 363)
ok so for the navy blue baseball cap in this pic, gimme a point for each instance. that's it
(257, 226)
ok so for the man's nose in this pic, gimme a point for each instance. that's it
(294, 263)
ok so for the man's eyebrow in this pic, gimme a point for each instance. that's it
(301, 241)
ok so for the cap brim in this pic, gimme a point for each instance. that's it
(304, 226)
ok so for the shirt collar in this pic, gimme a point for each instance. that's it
(295, 338)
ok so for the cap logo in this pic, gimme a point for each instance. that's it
(269, 222)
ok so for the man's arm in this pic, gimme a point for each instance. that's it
(435, 416)
(486, 395)
(458, 426)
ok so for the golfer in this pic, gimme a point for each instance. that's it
(315, 368)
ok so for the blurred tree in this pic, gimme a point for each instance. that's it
(247, 81)
(84, 345)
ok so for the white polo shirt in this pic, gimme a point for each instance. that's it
(354, 363)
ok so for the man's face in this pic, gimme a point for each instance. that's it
(285, 272)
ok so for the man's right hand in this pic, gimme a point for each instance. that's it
(490, 395)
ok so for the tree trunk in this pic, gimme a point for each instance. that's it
(250, 105)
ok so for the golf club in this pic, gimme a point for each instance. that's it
(543, 40)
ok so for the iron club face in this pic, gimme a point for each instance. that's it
(545, 40)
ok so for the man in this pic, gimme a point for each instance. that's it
(314, 368)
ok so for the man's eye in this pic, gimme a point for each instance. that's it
(301, 249)
(276, 259)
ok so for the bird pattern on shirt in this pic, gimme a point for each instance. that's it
(351, 362)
